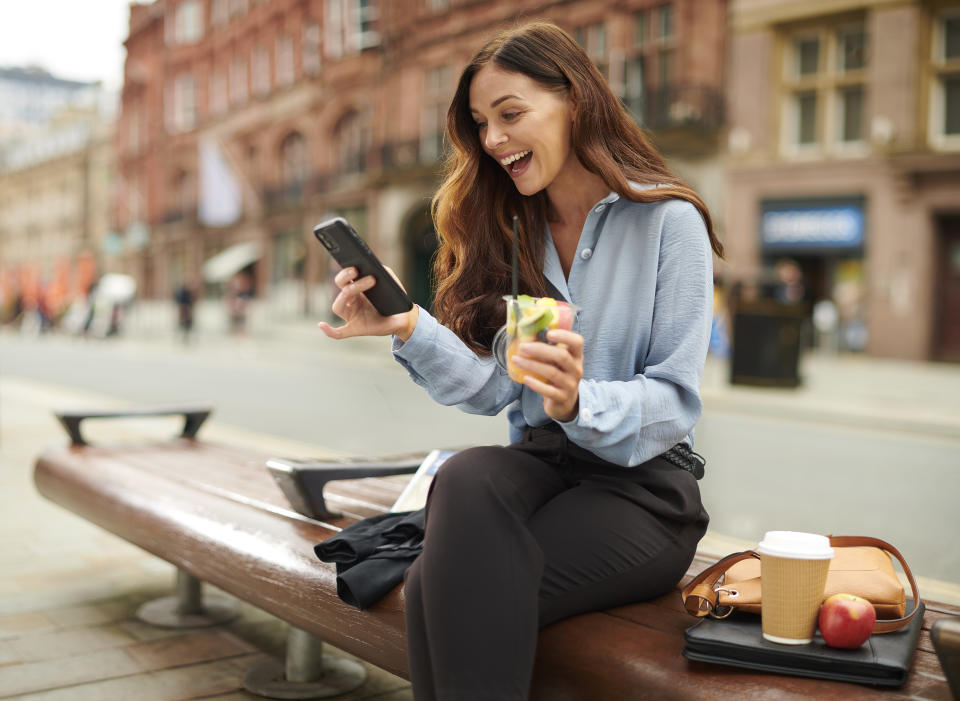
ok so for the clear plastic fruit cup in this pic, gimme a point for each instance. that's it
(529, 319)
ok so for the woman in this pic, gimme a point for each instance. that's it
(582, 511)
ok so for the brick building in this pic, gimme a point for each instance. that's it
(248, 122)
(844, 154)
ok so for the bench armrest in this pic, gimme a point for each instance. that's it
(302, 482)
(193, 416)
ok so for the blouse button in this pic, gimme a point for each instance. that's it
(586, 415)
(586, 253)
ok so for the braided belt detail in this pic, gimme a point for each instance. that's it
(684, 458)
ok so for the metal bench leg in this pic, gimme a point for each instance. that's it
(306, 673)
(187, 609)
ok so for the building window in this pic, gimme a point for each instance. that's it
(260, 70)
(945, 85)
(634, 82)
(438, 89)
(220, 12)
(665, 22)
(851, 49)
(293, 159)
(310, 46)
(649, 66)
(367, 24)
(181, 103)
(238, 7)
(352, 135)
(593, 39)
(807, 53)
(850, 119)
(218, 92)
(284, 59)
(350, 26)
(187, 26)
(806, 118)
(825, 80)
(239, 91)
(640, 29)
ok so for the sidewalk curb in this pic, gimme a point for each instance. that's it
(754, 403)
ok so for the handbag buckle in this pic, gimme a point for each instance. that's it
(721, 612)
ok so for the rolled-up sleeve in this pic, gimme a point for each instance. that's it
(453, 375)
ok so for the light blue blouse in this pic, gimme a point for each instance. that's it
(643, 278)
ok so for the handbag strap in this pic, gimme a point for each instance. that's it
(852, 541)
(700, 595)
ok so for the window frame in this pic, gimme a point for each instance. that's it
(830, 84)
(941, 69)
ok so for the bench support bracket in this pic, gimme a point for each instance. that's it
(305, 673)
(187, 609)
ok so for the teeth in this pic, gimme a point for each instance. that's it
(515, 157)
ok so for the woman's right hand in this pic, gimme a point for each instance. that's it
(362, 318)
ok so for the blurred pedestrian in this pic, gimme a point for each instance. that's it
(185, 298)
(239, 293)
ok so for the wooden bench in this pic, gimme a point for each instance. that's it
(217, 514)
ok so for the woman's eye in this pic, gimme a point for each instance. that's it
(480, 125)
(510, 115)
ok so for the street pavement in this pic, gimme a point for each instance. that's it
(862, 447)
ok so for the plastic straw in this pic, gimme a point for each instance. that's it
(516, 245)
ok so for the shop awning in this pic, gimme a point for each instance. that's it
(230, 261)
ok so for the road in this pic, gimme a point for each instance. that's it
(766, 470)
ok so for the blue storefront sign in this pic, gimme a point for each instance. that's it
(806, 226)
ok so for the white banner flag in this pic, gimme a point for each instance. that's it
(220, 202)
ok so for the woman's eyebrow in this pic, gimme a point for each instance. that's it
(498, 101)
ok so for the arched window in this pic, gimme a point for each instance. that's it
(352, 136)
(293, 159)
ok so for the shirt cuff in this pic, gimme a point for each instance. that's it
(424, 336)
(586, 411)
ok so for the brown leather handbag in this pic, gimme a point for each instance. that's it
(862, 566)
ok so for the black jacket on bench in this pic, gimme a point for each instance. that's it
(373, 554)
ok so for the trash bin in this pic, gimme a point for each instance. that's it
(766, 343)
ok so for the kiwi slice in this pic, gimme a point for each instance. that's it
(535, 320)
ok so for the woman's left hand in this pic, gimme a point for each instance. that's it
(561, 367)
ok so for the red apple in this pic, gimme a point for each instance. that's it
(846, 621)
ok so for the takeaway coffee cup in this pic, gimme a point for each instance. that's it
(793, 575)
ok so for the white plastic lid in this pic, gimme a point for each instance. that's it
(792, 544)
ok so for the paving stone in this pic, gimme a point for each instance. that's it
(202, 680)
(186, 649)
(90, 614)
(15, 624)
(54, 674)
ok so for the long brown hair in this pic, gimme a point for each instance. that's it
(475, 205)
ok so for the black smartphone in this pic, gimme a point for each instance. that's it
(348, 249)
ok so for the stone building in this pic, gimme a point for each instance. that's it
(844, 155)
(56, 208)
(243, 124)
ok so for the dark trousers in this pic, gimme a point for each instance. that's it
(521, 536)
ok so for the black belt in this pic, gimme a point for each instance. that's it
(683, 457)
(679, 455)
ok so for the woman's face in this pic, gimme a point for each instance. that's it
(522, 125)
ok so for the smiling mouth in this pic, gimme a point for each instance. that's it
(517, 162)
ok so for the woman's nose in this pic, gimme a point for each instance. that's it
(493, 138)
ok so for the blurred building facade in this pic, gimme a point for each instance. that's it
(243, 124)
(56, 177)
(844, 155)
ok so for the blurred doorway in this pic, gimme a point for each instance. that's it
(947, 320)
(420, 242)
